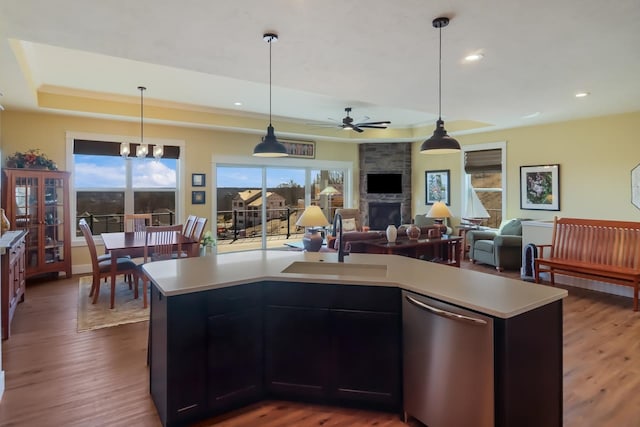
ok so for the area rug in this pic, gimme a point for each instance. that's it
(99, 315)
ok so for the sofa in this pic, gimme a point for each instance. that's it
(354, 240)
(501, 248)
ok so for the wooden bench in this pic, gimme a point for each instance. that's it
(603, 250)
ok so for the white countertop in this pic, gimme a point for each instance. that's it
(486, 293)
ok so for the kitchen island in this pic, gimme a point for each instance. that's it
(227, 330)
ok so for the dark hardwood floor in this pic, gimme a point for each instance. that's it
(58, 377)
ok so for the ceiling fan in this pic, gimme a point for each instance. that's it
(348, 123)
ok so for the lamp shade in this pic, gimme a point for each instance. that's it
(270, 146)
(440, 142)
(329, 191)
(439, 210)
(312, 217)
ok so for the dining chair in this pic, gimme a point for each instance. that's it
(160, 243)
(198, 229)
(189, 224)
(102, 268)
(137, 222)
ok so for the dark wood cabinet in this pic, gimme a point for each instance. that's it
(297, 351)
(37, 201)
(178, 357)
(333, 342)
(13, 277)
(366, 357)
(205, 352)
(234, 347)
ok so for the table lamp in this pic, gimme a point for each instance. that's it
(440, 211)
(312, 217)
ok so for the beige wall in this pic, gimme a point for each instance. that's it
(23, 130)
(595, 156)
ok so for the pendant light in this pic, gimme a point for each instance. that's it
(440, 142)
(142, 150)
(270, 146)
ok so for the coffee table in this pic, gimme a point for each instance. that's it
(441, 250)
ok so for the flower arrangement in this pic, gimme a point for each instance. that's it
(32, 158)
(207, 239)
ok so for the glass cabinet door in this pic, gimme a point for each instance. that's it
(53, 220)
(28, 215)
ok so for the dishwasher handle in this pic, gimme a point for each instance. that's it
(444, 313)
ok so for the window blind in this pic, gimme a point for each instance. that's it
(483, 161)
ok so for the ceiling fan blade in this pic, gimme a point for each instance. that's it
(373, 126)
(386, 122)
(357, 129)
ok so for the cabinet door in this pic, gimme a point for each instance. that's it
(54, 225)
(366, 357)
(234, 358)
(186, 357)
(26, 214)
(296, 351)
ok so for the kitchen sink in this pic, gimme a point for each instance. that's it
(336, 269)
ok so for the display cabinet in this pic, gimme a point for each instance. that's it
(37, 201)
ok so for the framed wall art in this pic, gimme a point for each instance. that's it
(197, 197)
(198, 179)
(540, 187)
(437, 186)
(302, 149)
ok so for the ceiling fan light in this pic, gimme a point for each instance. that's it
(440, 142)
(270, 146)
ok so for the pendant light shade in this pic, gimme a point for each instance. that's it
(440, 142)
(270, 146)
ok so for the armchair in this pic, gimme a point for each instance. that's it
(501, 248)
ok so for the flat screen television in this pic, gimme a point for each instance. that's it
(384, 183)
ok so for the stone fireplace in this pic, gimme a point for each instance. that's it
(378, 210)
(383, 214)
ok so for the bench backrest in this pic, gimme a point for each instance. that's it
(603, 242)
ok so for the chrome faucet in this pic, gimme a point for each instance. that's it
(341, 252)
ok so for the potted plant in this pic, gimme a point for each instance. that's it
(33, 158)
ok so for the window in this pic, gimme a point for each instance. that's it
(275, 194)
(485, 178)
(106, 185)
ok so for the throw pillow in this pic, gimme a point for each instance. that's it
(348, 224)
(512, 227)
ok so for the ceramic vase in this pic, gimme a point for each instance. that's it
(413, 232)
(392, 233)
(4, 222)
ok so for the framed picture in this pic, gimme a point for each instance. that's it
(303, 149)
(197, 197)
(540, 187)
(198, 179)
(436, 184)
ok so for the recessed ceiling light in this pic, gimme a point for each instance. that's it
(237, 104)
(474, 57)
(582, 94)
(532, 115)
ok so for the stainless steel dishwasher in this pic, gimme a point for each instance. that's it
(447, 364)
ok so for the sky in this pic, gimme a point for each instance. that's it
(252, 177)
(109, 172)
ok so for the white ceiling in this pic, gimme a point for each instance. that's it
(379, 57)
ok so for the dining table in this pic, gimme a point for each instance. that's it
(132, 243)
